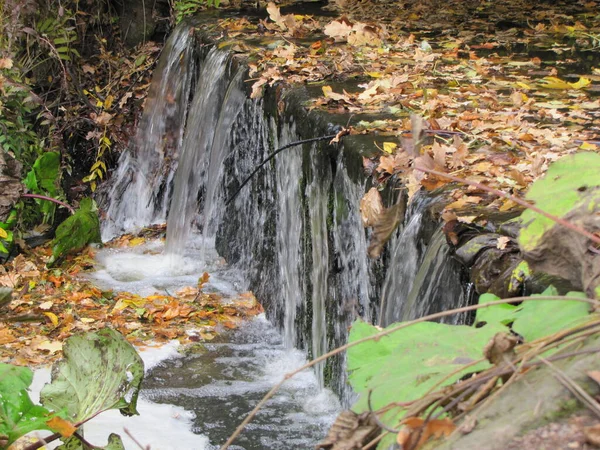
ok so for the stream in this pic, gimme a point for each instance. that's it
(217, 383)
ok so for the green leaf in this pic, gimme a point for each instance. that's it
(406, 364)
(570, 183)
(99, 371)
(503, 314)
(536, 319)
(44, 176)
(77, 231)
(18, 414)
(73, 443)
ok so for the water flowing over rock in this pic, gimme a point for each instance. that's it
(295, 230)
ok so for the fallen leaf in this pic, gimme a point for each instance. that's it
(592, 434)
(416, 432)
(62, 426)
(371, 207)
(502, 241)
(51, 346)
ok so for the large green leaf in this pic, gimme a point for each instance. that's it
(539, 318)
(45, 174)
(76, 231)
(18, 414)
(99, 371)
(570, 183)
(406, 364)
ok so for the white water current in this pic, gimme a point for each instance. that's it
(210, 392)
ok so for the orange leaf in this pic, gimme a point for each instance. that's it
(416, 433)
(62, 426)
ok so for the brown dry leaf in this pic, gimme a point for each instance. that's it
(371, 207)
(338, 29)
(6, 336)
(592, 434)
(500, 348)
(594, 375)
(416, 433)
(350, 431)
(363, 34)
(6, 63)
(386, 224)
(502, 241)
(328, 93)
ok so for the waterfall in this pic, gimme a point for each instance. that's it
(216, 104)
(289, 233)
(140, 188)
(317, 199)
(295, 230)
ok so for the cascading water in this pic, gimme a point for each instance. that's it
(318, 213)
(289, 234)
(216, 104)
(140, 187)
(293, 235)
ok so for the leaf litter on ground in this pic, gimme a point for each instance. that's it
(49, 305)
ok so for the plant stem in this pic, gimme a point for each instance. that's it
(50, 199)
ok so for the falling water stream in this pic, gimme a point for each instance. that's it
(294, 236)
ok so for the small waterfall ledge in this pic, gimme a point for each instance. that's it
(295, 230)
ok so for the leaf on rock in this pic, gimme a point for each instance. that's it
(371, 207)
(99, 371)
(571, 181)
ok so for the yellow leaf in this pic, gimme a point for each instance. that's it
(375, 74)
(583, 82)
(389, 147)
(62, 426)
(136, 241)
(52, 347)
(53, 318)
(3, 233)
(588, 146)
(557, 83)
(523, 85)
(108, 101)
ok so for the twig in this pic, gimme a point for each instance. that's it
(381, 334)
(271, 156)
(128, 433)
(50, 199)
(517, 200)
(572, 386)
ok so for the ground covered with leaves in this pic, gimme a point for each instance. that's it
(49, 305)
(501, 90)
